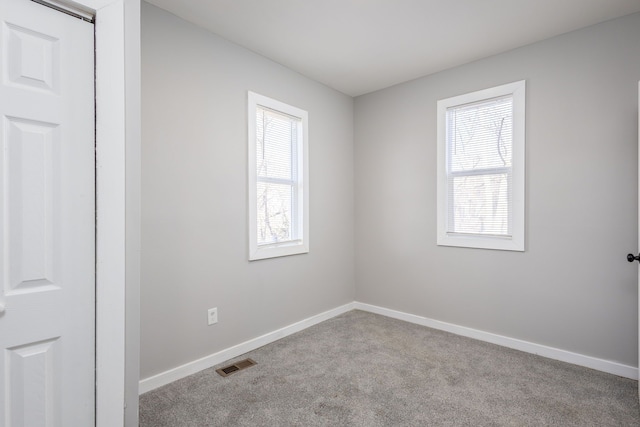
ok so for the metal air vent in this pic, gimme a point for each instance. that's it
(238, 366)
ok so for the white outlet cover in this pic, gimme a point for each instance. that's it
(212, 315)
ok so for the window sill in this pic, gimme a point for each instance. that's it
(278, 250)
(482, 242)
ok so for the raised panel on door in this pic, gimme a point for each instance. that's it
(47, 217)
(31, 372)
(32, 172)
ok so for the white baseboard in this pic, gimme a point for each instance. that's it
(190, 368)
(528, 347)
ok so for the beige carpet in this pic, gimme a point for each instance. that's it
(361, 369)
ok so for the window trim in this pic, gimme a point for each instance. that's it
(517, 240)
(291, 247)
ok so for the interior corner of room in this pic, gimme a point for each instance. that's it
(570, 295)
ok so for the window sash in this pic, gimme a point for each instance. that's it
(267, 213)
(451, 216)
(282, 140)
(476, 172)
(480, 125)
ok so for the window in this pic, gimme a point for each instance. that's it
(481, 169)
(278, 179)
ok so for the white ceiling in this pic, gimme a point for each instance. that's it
(359, 46)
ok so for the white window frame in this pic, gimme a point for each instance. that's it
(301, 244)
(517, 240)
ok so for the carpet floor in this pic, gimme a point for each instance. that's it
(362, 369)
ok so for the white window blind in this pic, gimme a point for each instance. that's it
(479, 157)
(481, 161)
(277, 176)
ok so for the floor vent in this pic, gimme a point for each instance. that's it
(238, 366)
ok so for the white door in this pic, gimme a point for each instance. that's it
(47, 217)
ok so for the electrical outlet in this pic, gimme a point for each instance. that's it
(212, 315)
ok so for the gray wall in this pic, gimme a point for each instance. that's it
(194, 197)
(572, 288)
